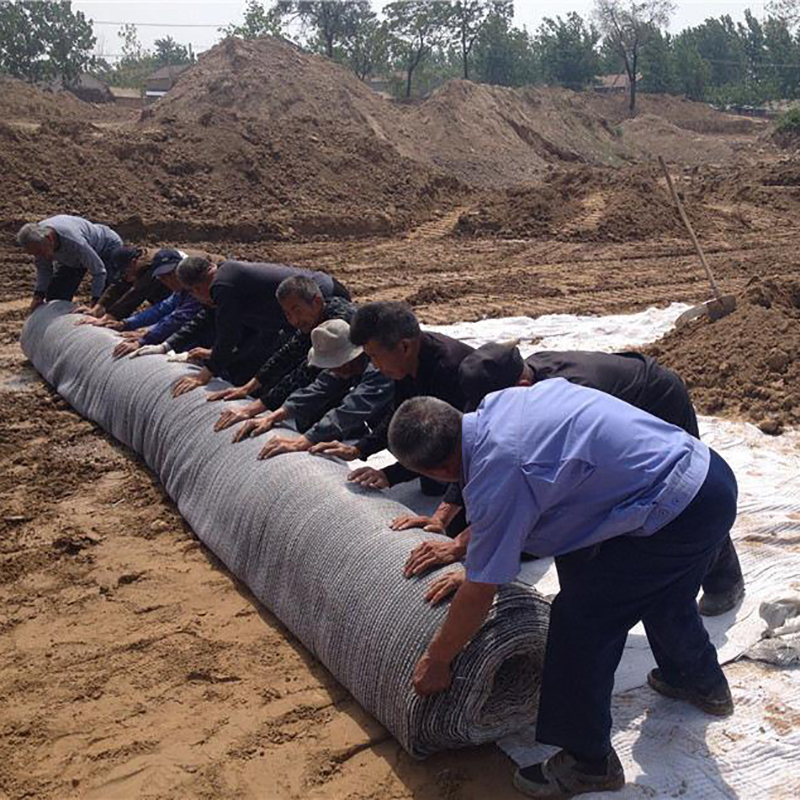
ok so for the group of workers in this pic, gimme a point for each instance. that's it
(592, 458)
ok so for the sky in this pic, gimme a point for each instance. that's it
(196, 22)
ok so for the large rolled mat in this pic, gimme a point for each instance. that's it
(316, 551)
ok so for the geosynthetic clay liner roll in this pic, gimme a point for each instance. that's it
(313, 549)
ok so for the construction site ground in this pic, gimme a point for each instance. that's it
(132, 664)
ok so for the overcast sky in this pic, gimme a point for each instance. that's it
(207, 16)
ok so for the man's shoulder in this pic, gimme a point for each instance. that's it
(445, 347)
(339, 308)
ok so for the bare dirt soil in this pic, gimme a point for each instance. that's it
(131, 663)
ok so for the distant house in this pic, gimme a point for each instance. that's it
(127, 98)
(162, 80)
(86, 87)
(608, 84)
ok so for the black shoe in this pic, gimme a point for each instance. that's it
(562, 776)
(718, 702)
(712, 605)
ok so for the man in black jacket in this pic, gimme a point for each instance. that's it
(247, 316)
(632, 377)
(419, 363)
(287, 368)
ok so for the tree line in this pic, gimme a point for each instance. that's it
(415, 45)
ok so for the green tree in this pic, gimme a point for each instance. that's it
(628, 25)
(366, 44)
(693, 72)
(415, 27)
(658, 65)
(567, 49)
(504, 55)
(329, 23)
(258, 21)
(41, 40)
(467, 19)
(168, 51)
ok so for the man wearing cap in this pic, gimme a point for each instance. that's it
(632, 377)
(65, 248)
(633, 509)
(134, 286)
(161, 319)
(241, 299)
(348, 396)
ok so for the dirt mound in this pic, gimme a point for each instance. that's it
(748, 363)
(22, 102)
(258, 140)
(590, 204)
(682, 113)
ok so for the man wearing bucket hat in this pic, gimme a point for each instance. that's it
(347, 397)
(162, 319)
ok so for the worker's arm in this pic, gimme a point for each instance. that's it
(94, 264)
(467, 612)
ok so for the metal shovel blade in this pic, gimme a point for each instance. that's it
(713, 309)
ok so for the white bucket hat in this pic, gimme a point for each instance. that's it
(331, 346)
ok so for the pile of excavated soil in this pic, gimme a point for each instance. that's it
(748, 363)
(686, 114)
(21, 102)
(590, 204)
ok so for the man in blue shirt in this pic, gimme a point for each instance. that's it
(633, 509)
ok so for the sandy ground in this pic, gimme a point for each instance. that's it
(132, 664)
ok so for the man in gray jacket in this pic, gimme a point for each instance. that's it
(347, 397)
(65, 248)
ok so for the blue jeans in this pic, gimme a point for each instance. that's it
(609, 588)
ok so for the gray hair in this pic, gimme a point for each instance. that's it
(193, 270)
(302, 286)
(424, 432)
(32, 233)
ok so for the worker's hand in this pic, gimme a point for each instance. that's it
(427, 555)
(233, 416)
(125, 348)
(347, 452)
(83, 310)
(151, 350)
(406, 521)
(431, 677)
(232, 393)
(369, 478)
(198, 354)
(442, 587)
(132, 335)
(255, 427)
(88, 319)
(278, 445)
(36, 301)
(187, 384)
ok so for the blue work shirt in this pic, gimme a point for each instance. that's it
(556, 467)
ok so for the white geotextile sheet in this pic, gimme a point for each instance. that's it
(670, 749)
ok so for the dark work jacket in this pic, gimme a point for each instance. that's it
(632, 377)
(122, 298)
(243, 294)
(437, 376)
(287, 369)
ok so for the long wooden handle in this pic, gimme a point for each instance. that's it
(682, 212)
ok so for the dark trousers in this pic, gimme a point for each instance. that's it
(609, 588)
(65, 282)
(251, 355)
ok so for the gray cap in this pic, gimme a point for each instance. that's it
(331, 346)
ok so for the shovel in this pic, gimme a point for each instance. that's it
(721, 304)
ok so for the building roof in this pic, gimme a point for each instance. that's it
(170, 71)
